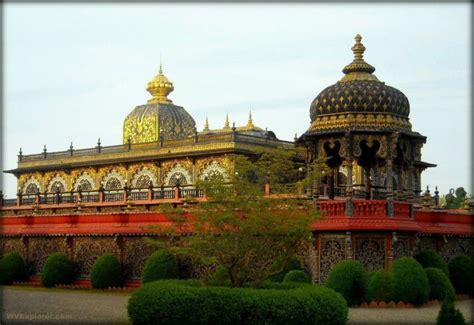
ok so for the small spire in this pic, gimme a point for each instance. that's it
(358, 48)
(250, 121)
(226, 124)
(206, 125)
(358, 69)
(160, 87)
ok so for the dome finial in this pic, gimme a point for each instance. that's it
(358, 69)
(250, 121)
(206, 125)
(160, 87)
(227, 124)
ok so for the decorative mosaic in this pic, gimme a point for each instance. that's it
(332, 252)
(371, 253)
(88, 249)
(40, 248)
(136, 252)
(401, 248)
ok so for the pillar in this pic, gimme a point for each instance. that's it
(349, 189)
(367, 183)
(409, 194)
(389, 188)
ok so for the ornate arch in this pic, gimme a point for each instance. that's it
(57, 182)
(86, 182)
(214, 170)
(180, 172)
(113, 181)
(143, 177)
(31, 186)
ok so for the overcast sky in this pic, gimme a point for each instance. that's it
(72, 72)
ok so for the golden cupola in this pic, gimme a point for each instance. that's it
(160, 87)
(359, 100)
(159, 119)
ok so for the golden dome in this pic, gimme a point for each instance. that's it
(160, 87)
(359, 99)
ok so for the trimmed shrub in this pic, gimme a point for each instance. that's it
(280, 285)
(297, 276)
(440, 286)
(220, 277)
(293, 264)
(160, 265)
(57, 270)
(449, 315)
(461, 273)
(161, 302)
(380, 286)
(12, 268)
(410, 281)
(349, 278)
(106, 272)
(429, 258)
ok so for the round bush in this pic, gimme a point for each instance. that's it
(297, 276)
(160, 265)
(461, 273)
(57, 270)
(349, 278)
(440, 286)
(448, 315)
(410, 281)
(430, 258)
(12, 268)
(293, 264)
(161, 302)
(106, 272)
(380, 286)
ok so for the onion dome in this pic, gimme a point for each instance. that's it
(359, 99)
(159, 119)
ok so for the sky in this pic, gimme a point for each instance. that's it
(72, 72)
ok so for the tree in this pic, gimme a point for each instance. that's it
(254, 237)
(455, 199)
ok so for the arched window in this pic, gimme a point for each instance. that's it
(57, 186)
(143, 181)
(32, 188)
(113, 183)
(84, 185)
(177, 179)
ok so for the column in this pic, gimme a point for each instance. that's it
(349, 207)
(367, 183)
(389, 188)
(409, 194)
(401, 183)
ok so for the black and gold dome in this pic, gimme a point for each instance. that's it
(159, 118)
(359, 99)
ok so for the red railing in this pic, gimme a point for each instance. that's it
(369, 208)
(333, 208)
(402, 210)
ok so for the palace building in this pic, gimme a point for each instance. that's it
(88, 202)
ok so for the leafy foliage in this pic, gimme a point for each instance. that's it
(160, 265)
(106, 272)
(440, 286)
(293, 263)
(410, 281)
(380, 286)
(162, 302)
(241, 229)
(449, 315)
(12, 268)
(349, 278)
(57, 270)
(220, 277)
(461, 273)
(455, 199)
(429, 258)
(297, 276)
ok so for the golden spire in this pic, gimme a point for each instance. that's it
(250, 121)
(159, 88)
(358, 69)
(226, 124)
(206, 125)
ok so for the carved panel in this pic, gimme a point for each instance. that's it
(455, 247)
(401, 248)
(424, 243)
(10, 245)
(214, 171)
(88, 249)
(332, 252)
(40, 248)
(31, 186)
(136, 252)
(143, 177)
(371, 253)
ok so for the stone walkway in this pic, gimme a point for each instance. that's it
(23, 305)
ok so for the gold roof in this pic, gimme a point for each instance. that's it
(160, 87)
(358, 69)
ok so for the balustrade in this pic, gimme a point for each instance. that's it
(369, 208)
(333, 208)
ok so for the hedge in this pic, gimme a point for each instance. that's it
(449, 315)
(297, 276)
(160, 265)
(440, 286)
(461, 273)
(12, 268)
(380, 286)
(220, 277)
(161, 302)
(429, 258)
(57, 270)
(349, 278)
(410, 281)
(106, 272)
